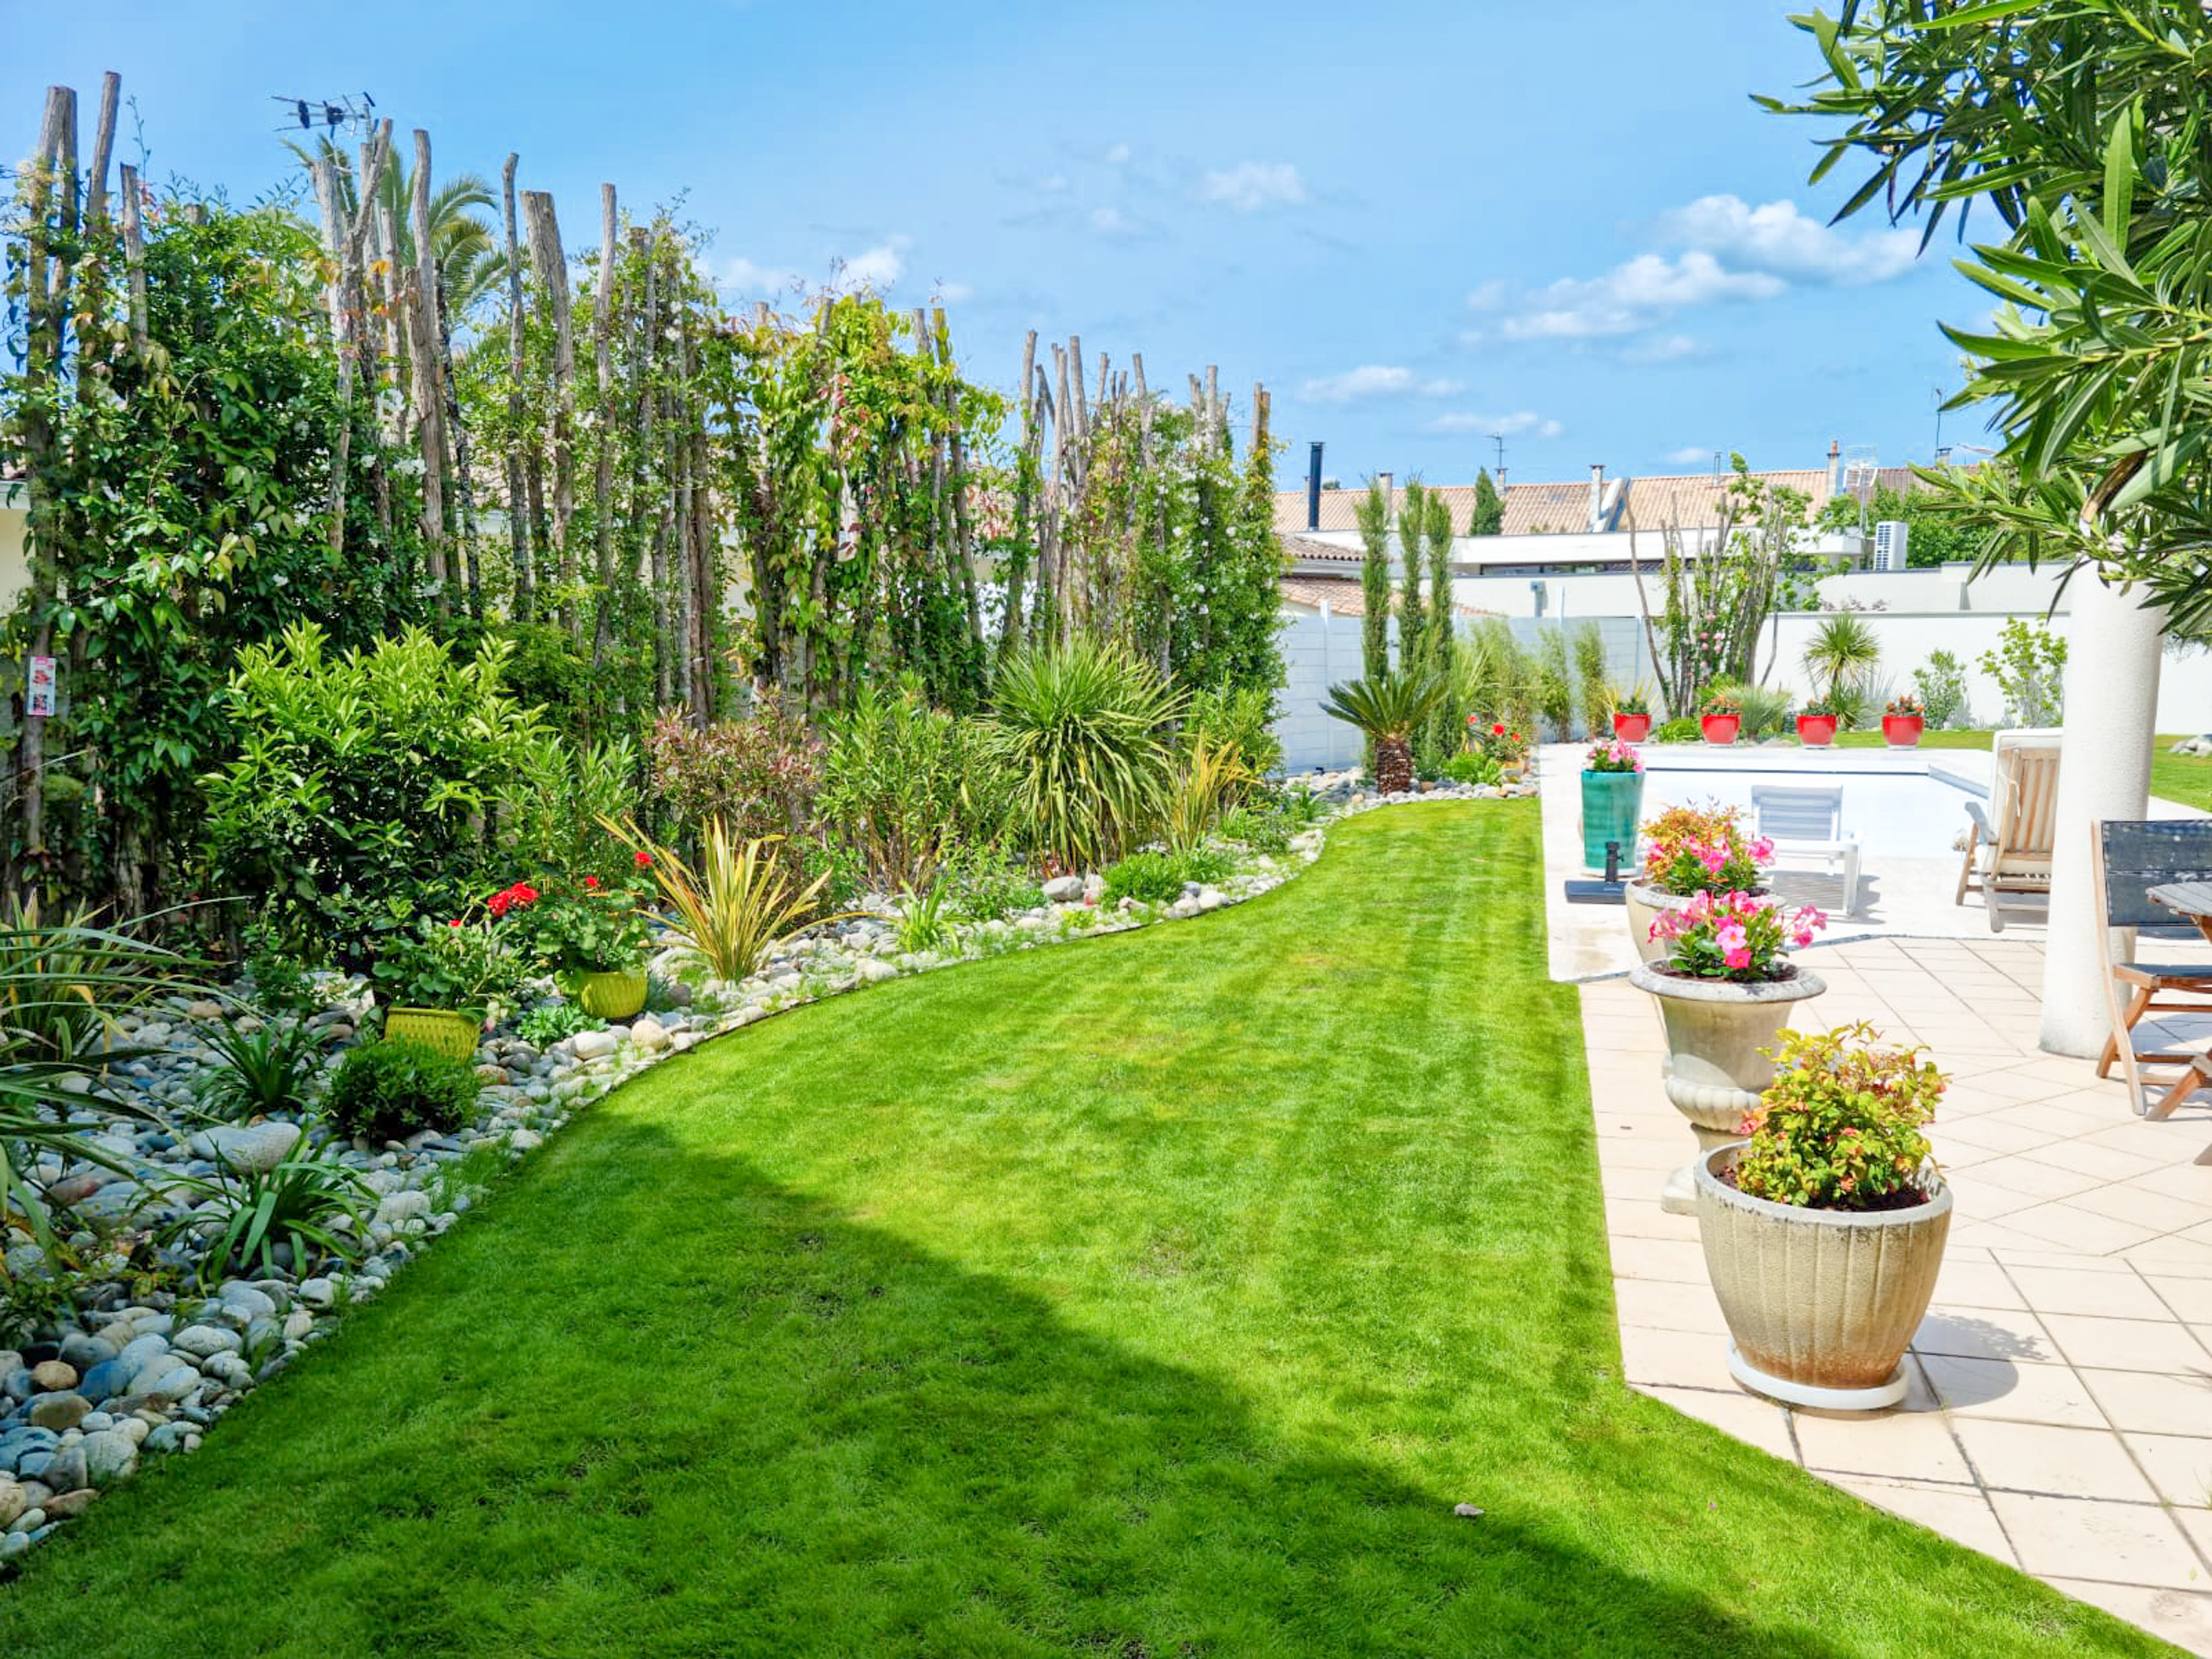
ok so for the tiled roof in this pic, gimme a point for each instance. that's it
(1344, 597)
(1686, 498)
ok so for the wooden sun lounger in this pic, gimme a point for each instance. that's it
(2009, 847)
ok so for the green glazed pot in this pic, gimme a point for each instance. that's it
(1612, 803)
(448, 1030)
(612, 996)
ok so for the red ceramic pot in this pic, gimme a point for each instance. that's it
(1631, 728)
(1816, 731)
(1901, 730)
(1720, 729)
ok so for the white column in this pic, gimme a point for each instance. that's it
(2112, 653)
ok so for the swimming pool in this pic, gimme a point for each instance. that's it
(1901, 803)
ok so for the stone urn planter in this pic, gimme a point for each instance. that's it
(1645, 904)
(1819, 1303)
(1714, 1069)
(1612, 803)
(449, 1030)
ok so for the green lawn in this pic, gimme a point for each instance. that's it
(1159, 1294)
(2186, 778)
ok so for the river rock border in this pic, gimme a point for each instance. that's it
(130, 1377)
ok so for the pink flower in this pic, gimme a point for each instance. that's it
(1738, 958)
(1762, 849)
(1731, 937)
(1803, 937)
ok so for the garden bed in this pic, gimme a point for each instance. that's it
(134, 1371)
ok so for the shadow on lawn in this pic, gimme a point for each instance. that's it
(654, 1402)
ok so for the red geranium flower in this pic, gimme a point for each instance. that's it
(1498, 731)
(454, 923)
(645, 860)
(590, 884)
(497, 904)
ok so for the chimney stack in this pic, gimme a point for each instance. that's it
(1835, 467)
(1597, 497)
(1313, 487)
(1389, 481)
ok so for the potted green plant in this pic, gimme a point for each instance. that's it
(1902, 722)
(1823, 1232)
(1724, 990)
(589, 933)
(1632, 718)
(439, 984)
(1503, 746)
(1720, 718)
(1816, 724)
(1613, 799)
(1689, 850)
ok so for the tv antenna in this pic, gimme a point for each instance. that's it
(347, 112)
(1498, 439)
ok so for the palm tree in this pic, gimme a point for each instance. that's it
(1388, 708)
(471, 262)
(1844, 652)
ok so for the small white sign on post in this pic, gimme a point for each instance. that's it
(40, 688)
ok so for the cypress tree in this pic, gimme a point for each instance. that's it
(1372, 514)
(1412, 618)
(1442, 736)
(1487, 517)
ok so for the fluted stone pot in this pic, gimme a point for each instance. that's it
(1646, 904)
(1714, 1069)
(1819, 1303)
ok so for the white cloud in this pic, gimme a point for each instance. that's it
(953, 293)
(1629, 296)
(1250, 185)
(1112, 222)
(1665, 348)
(1776, 237)
(1117, 155)
(1689, 454)
(879, 267)
(1520, 420)
(1053, 183)
(1717, 250)
(743, 278)
(1374, 380)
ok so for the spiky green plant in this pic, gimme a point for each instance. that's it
(1084, 725)
(1389, 710)
(1843, 653)
(740, 901)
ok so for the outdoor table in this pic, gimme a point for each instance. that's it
(2192, 899)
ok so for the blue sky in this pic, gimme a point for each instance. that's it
(1417, 224)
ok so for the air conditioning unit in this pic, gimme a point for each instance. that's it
(1890, 536)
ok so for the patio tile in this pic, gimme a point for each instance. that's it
(2171, 1256)
(2019, 1390)
(2179, 1465)
(2082, 1230)
(2073, 1290)
(2083, 1538)
(2066, 1261)
(1675, 1260)
(1968, 1279)
(2150, 1401)
(1959, 1514)
(2065, 1462)
(2126, 1344)
(1990, 1131)
(2128, 1202)
(1984, 1333)
(1757, 1422)
(1642, 1218)
(2182, 1617)
(2189, 1298)
(1893, 1445)
(1663, 1358)
(1659, 1305)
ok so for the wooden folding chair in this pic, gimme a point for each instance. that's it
(2012, 854)
(2131, 857)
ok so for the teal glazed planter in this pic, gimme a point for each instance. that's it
(1612, 803)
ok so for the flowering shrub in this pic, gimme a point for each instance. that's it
(1839, 1127)
(1734, 936)
(581, 926)
(1496, 742)
(1611, 755)
(759, 775)
(1819, 708)
(454, 965)
(1720, 703)
(1907, 705)
(1702, 849)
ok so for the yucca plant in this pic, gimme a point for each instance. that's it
(1389, 710)
(265, 1074)
(740, 900)
(1084, 725)
(1213, 776)
(1843, 653)
(313, 1205)
(59, 981)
